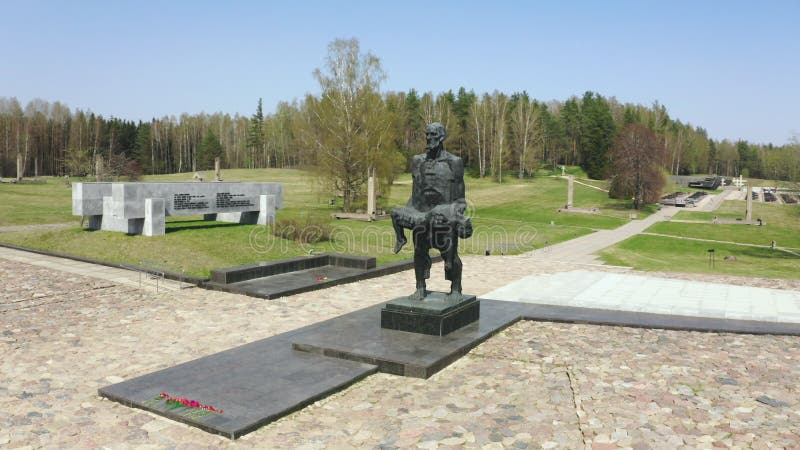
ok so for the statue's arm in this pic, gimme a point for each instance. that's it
(463, 224)
(460, 190)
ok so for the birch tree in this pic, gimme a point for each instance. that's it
(352, 129)
(526, 129)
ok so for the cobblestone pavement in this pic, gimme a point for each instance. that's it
(535, 385)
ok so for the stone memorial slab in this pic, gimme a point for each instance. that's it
(253, 385)
(122, 206)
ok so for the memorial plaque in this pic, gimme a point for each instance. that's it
(121, 206)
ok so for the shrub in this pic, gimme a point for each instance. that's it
(306, 231)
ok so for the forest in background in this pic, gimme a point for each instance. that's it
(496, 134)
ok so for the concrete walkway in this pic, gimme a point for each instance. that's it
(125, 277)
(582, 250)
(642, 293)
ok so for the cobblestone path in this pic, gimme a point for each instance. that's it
(535, 385)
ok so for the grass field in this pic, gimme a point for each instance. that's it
(782, 225)
(673, 254)
(22, 204)
(655, 253)
(511, 217)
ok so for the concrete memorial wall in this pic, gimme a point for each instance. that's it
(141, 208)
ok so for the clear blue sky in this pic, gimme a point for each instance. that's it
(730, 66)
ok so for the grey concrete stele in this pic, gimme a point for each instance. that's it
(20, 167)
(141, 208)
(570, 190)
(748, 214)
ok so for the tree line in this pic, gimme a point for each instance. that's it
(497, 134)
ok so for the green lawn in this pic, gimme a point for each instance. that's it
(655, 253)
(538, 200)
(511, 217)
(782, 225)
(670, 254)
(49, 202)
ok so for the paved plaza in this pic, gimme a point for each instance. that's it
(642, 293)
(63, 335)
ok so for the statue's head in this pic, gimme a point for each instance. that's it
(434, 135)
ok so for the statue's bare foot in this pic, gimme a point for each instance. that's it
(454, 296)
(399, 244)
(419, 294)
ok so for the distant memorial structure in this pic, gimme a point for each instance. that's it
(748, 213)
(217, 170)
(20, 167)
(570, 206)
(570, 190)
(141, 208)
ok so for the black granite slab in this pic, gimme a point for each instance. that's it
(253, 384)
(270, 287)
(262, 269)
(356, 262)
(358, 336)
(294, 282)
(262, 381)
(436, 314)
(245, 272)
(435, 303)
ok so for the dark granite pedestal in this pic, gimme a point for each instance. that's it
(437, 315)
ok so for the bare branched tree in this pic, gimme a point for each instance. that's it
(636, 160)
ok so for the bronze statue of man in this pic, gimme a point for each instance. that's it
(435, 212)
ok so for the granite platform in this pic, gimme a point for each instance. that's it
(262, 381)
(437, 315)
(280, 278)
(253, 384)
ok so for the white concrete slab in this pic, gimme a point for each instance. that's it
(633, 292)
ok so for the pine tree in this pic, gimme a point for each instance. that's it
(571, 120)
(597, 127)
(255, 135)
(209, 149)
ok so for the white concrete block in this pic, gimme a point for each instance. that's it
(154, 218)
(266, 211)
